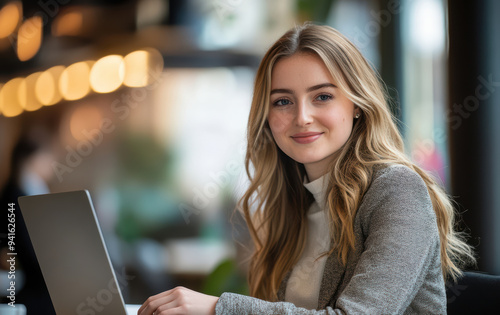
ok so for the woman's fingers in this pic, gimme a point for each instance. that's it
(179, 310)
(153, 302)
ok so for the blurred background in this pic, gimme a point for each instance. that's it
(145, 102)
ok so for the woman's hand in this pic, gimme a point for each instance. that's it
(179, 301)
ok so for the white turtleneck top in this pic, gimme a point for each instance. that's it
(305, 280)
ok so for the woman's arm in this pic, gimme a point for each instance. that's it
(236, 304)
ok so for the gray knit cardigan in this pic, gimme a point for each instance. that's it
(395, 267)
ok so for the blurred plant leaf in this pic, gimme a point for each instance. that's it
(225, 278)
(144, 159)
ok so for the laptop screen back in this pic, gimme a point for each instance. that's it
(71, 252)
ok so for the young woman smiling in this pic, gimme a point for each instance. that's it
(342, 221)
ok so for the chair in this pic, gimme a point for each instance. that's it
(474, 293)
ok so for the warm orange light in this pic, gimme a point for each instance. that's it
(142, 67)
(29, 38)
(68, 24)
(9, 100)
(136, 69)
(107, 74)
(83, 120)
(10, 16)
(26, 93)
(47, 86)
(74, 81)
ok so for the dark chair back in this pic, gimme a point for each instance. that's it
(474, 293)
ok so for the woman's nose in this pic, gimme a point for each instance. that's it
(304, 115)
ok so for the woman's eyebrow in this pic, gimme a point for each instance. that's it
(309, 89)
(281, 91)
(319, 86)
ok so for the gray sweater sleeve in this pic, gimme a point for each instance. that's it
(400, 236)
(231, 304)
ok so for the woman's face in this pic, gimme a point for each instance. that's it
(310, 118)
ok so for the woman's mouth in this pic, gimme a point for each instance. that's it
(306, 137)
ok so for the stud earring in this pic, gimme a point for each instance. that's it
(357, 115)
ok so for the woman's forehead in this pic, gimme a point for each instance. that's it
(300, 69)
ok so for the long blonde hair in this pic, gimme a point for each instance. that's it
(276, 202)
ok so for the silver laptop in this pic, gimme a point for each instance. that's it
(73, 258)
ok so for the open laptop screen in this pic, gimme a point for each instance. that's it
(71, 252)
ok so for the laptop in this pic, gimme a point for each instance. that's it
(73, 258)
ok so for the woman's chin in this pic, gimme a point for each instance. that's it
(309, 160)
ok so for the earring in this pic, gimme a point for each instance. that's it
(357, 115)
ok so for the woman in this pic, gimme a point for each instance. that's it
(342, 221)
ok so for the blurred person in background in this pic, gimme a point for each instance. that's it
(342, 221)
(30, 172)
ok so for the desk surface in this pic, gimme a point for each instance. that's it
(132, 309)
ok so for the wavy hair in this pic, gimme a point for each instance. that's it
(275, 204)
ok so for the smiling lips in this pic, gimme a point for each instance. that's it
(306, 137)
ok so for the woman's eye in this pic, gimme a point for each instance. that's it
(282, 102)
(324, 97)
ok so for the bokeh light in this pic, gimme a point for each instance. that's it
(107, 74)
(74, 81)
(9, 98)
(68, 24)
(136, 64)
(137, 69)
(142, 67)
(10, 17)
(29, 38)
(26, 92)
(47, 86)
